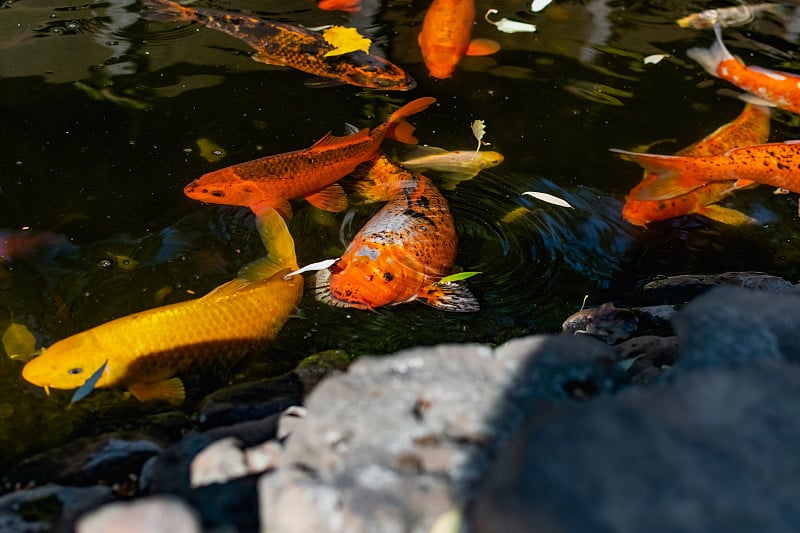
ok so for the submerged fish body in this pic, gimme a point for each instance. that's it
(751, 127)
(351, 6)
(772, 164)
(455, 166)
(765, 86)
(271, 181)
(278, 43)
(146, 349)
(727, 16)
(446, 36)
(402, 252)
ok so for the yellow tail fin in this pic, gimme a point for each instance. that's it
(278, 242)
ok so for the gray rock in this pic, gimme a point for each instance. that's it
(685, 287)
(731, 325)
(396, 441)
(155, 514)
(48, 508)
(712, 451)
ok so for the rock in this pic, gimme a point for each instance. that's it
(613, 324)
(396, 441)
(152, 515)
(731, 325)
(683, 288)
(711, 450)
(219, 462)
(648, 356)
(48, 508)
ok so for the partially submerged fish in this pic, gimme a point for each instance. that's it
(271, 181)
(765, 86)
(351, 6)
(277, 43)
(446, 36)
(455, 166)
(749, 128)
(145, 350)
(728, 16)
(773, 164)
(402, 253)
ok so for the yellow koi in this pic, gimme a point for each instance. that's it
(454, 166)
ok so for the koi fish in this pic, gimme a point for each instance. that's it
(773, 164)
(269, 182)
(402, 253)
(766, 87)
(277, 43)
(456, 166)
(445, 36)
(728, 16)
(143, 351)
(749, 128)
(351, 6)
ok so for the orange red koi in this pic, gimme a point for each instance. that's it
(277, 43)
(351, 6)
(446, 36)
(749, 128)
(769, 87)
(402, 253)
(271, 181)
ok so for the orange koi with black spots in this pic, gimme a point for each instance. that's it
(402, 253)
(277, 43)
(271, 181)
(749, 128)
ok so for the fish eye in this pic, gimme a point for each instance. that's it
(218, 194)
(76, 370)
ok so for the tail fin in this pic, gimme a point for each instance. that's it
(710, 58)
(379, 180)
(667, 168)
(280, 244)
(398, 128)
(166, 11)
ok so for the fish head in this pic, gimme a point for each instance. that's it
(374, 72)
(491, 159)
(222, 187)
(67, 364)
(365, 281)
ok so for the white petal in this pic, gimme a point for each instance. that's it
(538, 5)
(654, 59)
(549, 198)
(319, 265)
(509, 26)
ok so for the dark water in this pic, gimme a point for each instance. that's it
(101, 111)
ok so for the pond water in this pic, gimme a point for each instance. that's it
(101, 112)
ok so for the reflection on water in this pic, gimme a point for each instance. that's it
(102, 113)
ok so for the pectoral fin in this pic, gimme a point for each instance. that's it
(170, 390)
(454, 297)
(482, 47)
(330, 198)
(268, 59)
(725, 215)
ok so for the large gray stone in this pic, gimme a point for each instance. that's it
(732, 325)
(715, 450)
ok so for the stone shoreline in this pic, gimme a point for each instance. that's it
(657, 418)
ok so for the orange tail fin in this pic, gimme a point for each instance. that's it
(398, 128)
(669, 182)
(166, 11)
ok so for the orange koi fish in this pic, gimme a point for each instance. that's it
(767, 87)
(271, 181)
(402, 252)
(277, 43)
(143, 351)
(729, 16)
(351, 6)
(773, 164)
(445, 36)
(749, 128)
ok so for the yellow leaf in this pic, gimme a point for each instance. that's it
(345, 40)
(479, 130)
(19, 342)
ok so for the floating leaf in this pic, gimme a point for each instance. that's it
(345, 40)
(210, 151)
(549, 198)
(319, 265)
(478, 130)
(19, 342)
(654, 59)
(458, 277)
(88, 386)
(509, 26)
(538, 5)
